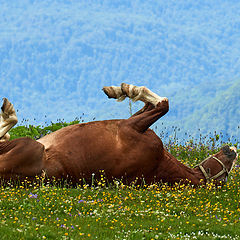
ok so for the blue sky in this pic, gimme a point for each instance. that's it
(55, 56)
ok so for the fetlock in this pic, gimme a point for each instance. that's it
(131, 91)
(114, 92)
(7, 109)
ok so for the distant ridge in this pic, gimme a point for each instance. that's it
(55, 57)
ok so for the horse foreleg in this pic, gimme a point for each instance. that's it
(143, 121)
(8, 119)
(141, 93)
(155, 106)
(133, 92)
(147, 107)
(114, 92)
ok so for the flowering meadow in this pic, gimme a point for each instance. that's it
(100, 210)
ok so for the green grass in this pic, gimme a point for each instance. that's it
(41, 211)
(126, 212)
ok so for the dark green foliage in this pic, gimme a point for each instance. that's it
(37, 132)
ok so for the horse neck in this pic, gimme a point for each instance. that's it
(175, 171)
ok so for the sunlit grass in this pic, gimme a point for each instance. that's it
(121, 212)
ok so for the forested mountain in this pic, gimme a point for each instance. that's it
(55, 57)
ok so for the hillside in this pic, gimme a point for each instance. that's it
(221, 113)
(55, 56)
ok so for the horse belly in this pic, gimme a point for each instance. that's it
(80, 152)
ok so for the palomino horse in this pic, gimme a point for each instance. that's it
(124, 148)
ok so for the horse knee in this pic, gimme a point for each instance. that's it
(163, 105)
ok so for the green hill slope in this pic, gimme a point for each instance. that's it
(220, 114)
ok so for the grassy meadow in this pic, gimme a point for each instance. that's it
(117, 211)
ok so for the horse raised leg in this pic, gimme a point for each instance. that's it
(155, 106)
(133, 92)
(19, 158)
(8, 119)
(117, 93)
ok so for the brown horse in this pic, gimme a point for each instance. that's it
(124, 148)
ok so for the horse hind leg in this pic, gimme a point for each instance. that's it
(8, 119)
